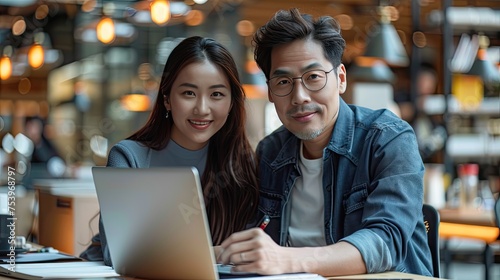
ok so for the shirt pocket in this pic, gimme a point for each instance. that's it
(355, 199)
(270, 204)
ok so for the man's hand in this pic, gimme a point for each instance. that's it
(254, 251)
(217, 251)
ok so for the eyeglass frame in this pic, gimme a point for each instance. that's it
(301, 81)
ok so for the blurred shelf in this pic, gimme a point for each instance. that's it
(435, 104)
(473, 146)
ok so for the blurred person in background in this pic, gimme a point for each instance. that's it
(45, 161)
(429, 128)
(44, 150)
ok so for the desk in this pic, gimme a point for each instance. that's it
(470, 224)
(385, 275)
(468, 217)
(67, 213)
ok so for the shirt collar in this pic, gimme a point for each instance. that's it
(342, 138)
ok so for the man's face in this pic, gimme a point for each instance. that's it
(307, 114)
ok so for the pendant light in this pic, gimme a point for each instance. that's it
(160, 12)
(5, 67)
(36, 56)
(385, 42)
(106, 30)
(6, 64)
(483, 67)
(370, 69)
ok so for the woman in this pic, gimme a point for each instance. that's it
(198, 120)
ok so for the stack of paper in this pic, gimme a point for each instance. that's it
(86, 269)
(40, 257)
(57, 270)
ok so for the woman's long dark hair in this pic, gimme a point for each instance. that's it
(230, 184)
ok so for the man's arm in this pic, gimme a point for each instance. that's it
(254, 251)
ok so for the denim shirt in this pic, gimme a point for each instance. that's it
(373, 186)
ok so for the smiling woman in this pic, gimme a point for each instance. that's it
(198, 120)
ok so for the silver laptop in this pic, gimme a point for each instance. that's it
(155, 222)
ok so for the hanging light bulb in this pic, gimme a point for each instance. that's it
(36, 56)
(106, 30)
(136, 102)
(5, 67)
(160, 11)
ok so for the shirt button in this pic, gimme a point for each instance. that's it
(328, 188)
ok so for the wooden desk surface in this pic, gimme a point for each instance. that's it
(385, 275)
(64, 183)
(75, 188)
(468, 217)
(468, 223)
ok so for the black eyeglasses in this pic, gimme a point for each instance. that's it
(313, 80)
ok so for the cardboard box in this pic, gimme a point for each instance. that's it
(68, 215)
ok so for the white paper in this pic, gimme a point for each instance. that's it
(58, 270)
(308, 276)
(86, 269)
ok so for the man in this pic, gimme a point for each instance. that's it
(343, 185)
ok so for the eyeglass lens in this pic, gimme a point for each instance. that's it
(313, 80)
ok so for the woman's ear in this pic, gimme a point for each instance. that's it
(166, 102)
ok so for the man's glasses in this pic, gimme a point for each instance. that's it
(313, 80)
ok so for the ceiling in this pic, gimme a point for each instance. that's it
(363, 16)
(358, 17)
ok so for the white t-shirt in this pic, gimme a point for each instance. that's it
(307, 205)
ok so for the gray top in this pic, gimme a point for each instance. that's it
(129, 153)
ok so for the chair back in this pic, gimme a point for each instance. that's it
(497, 211)
(431, 220)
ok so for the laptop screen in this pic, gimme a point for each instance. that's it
(155, 222)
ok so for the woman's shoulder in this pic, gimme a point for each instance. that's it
(131, 145)
(129, 153)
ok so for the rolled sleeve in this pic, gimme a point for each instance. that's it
(373, 249)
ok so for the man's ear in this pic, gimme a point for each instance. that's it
(270, 96)
(342, 79)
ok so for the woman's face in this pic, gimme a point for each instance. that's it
(199, 103)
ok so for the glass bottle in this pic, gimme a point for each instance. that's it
(453, 199)
(468, 174)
